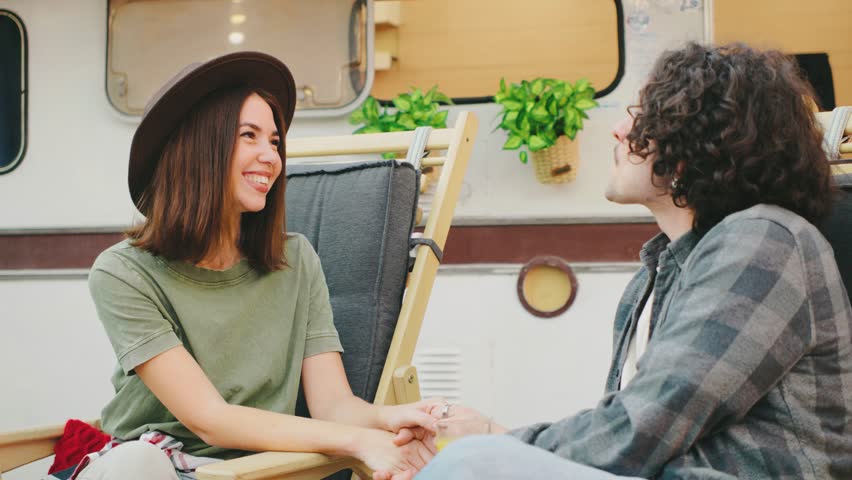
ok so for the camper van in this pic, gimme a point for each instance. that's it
(512, 288)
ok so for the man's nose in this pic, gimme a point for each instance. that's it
(621, 129)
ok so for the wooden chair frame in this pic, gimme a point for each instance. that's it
(398, 383)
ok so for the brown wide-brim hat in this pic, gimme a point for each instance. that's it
(178, 96)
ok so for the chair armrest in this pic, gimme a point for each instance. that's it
(406, 385)
(26, 446)
(281, 465)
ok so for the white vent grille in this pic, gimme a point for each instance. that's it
(440, 373)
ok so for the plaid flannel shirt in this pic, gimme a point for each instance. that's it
(748, 372)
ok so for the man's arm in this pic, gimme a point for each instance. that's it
(740, 321)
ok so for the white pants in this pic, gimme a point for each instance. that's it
(501, 457)
(131, 461)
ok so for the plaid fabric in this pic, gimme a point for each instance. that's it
(748, 372)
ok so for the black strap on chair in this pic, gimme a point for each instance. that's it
(417, 241)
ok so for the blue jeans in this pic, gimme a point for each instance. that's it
(501, 457)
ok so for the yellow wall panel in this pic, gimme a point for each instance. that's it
(466, 46)
(793, 26)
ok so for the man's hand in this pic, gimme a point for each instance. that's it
(461, 415)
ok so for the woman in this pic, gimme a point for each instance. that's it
(214, 314)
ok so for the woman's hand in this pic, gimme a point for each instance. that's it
(391, 462)
(412, 422)
(409, 415)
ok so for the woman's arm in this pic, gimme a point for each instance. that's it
(177, 380)
(329, 397)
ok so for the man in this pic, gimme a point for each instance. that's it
(732, 349)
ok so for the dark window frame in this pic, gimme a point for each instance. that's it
(619, 73)
(24, 91)
(322, 112)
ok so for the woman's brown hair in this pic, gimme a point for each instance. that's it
(187, 199)
(735, 127)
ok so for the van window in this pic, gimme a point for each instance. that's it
(323, 42)
(13, 86)
(466, 46)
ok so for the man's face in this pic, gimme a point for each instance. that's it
(630, 176)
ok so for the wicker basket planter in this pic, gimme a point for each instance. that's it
(558, 163)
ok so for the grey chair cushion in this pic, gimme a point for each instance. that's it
(838, 230)
(359, 218)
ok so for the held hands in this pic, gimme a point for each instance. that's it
(456, 421)
(401, 456)
(412, 421)
(410, 415)
(416, 426)
(377, 450)
(446, 421)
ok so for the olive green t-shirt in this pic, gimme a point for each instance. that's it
(249, 331)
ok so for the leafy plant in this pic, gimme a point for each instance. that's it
(413, 109)
(537, 112)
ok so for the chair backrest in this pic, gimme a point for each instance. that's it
(838, 230)
(359, 220)
(330, 208)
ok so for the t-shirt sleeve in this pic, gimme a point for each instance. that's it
(136, 329)
(321, 334)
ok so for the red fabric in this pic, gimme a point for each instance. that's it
(77, 440)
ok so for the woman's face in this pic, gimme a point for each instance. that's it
(255, 164)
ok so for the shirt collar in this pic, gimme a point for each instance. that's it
(679, 249)
(682, 247)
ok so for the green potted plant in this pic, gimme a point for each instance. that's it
(545, 115)
(413, 109)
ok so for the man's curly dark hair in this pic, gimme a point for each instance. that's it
(734, 127)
